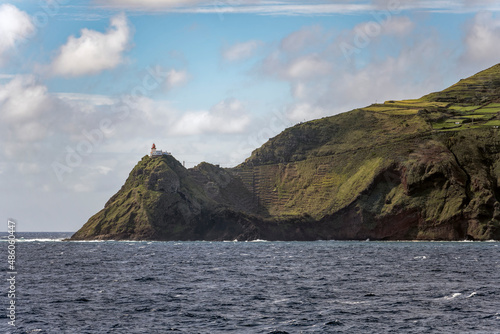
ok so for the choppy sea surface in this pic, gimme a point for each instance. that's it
(252, 287)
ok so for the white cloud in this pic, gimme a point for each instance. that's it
(308, 66)
(301, 39)
(28, 168)
(228, 116)
(482, 40)
(266, 7)
(299, 90)
(480, 2)
(301, 7)
(32, 117)
(39, 127)
(15, 26)
(93, 51)
(305, 111)
(23, 99)
(363, 34)
(150, 3)
(303, 67)
(7, 76)
(323, 83)
(94, 99)
(271, 8)
(241, 51)
(399, 26)
(176, 78)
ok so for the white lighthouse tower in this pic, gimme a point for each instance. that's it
(153, 150)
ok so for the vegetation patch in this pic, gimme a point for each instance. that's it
(493, 123)
(487, 111)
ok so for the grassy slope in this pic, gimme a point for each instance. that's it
(356, 174)
(327, 165)
(484, 87)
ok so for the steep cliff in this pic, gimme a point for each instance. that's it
(163, 200)
(425, 169)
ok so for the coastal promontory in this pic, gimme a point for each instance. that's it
(424, 169)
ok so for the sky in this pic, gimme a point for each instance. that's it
(86, 87)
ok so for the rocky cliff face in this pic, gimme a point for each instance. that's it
(162, 200)
(425, 169)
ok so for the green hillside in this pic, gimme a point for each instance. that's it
(412, 169)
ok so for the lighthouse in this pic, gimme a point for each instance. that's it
(157, 153)
(153, 150)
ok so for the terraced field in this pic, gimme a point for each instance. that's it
(443, 116)
(470, 103)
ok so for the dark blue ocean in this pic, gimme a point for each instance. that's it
(252, 287)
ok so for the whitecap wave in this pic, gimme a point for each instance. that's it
(351, 302)
(90, 240)
(453, 296)
(37, 240)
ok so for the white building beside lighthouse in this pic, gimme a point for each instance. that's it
(157, 153)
